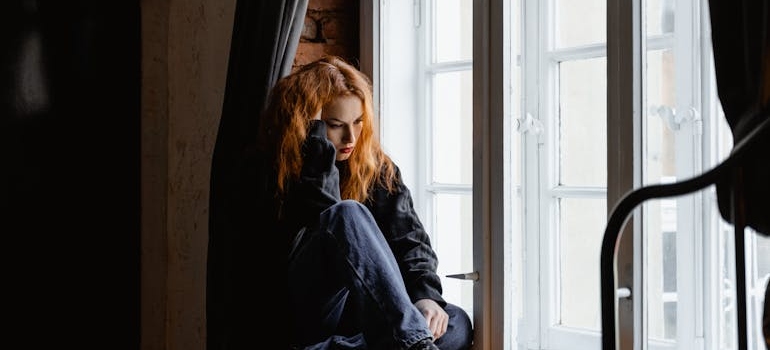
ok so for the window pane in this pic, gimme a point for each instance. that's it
(453, 241)
(660, 235)
(454, 30)
(581, 226)
(580, 22)
(582, 123)
(726, 278)
(762, 256)
(757, 275)
(659, 140)
(660, 17)
(760, 277)
(452, 128)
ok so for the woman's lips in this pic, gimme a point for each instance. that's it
(346, 150)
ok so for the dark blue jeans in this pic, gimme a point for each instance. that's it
(346, 291)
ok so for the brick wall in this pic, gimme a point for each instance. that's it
(331, 27)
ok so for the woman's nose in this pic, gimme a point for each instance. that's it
(348, 135)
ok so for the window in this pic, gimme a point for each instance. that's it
(550, 155)
(561, 89)
(426, 119)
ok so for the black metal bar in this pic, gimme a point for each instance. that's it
(738, 213)
(631, 200)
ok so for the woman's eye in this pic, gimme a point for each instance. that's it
(360, 121)
(335, 125)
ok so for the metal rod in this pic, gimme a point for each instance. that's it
(632, 199)
(738, 212)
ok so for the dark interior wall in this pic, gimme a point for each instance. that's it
(70, 166)
(69, 171)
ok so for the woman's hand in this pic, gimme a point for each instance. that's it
(437, 318)
(317, 116)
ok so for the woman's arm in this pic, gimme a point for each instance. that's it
(396, 217)
(318, 186)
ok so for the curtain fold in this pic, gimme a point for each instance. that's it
(741, 45)
(740, 32)
(264, 42)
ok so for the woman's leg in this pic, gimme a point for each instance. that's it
(317, 288)
(354, 342)
(349, 259)
(388, 313)
(459, 333)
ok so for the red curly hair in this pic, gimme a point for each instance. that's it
(293, 102)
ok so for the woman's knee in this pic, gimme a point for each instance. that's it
(346, 212)
(459, 334)
(459, 317)
(346, 207)
(349, 218)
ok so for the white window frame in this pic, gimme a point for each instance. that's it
(403, 97)
(495, 328)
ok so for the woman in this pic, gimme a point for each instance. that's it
(362, 272)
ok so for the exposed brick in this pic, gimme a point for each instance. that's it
(330, 27)
(309, 30)
(339, 30)
(327, 5)
(308, 52)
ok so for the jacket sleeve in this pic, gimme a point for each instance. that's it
(398, 221)
(318, 186)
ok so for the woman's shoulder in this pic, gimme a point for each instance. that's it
(390, 181)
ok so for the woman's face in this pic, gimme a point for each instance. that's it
(344, 120)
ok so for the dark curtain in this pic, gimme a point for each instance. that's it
(69, 173)
(741, 44)
(241, 305)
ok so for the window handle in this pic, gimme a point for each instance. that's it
(473, 276)
(675, 120)
(528, 124)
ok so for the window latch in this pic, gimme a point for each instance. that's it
(528, 124)
(675, 120)
(473, 276)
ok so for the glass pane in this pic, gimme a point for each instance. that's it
(660, 16)
(762, 256)
(582, 122)
(660, 216)
(452, 239)
(757, 250)
(660, 160)
(660, 235)
(454, 30)
(580, 22)
(581, 228)
(759, 276)
(726, 278)
(452, 128)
